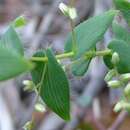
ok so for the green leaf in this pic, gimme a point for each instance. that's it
(12, 64)
(80, 66)
(54, 86)
(123, 49)
(121, 33)
(90, 32)
(11, 40)
(19, 22)
(124, 7)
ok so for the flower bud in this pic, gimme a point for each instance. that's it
(110, 75)
(114, 84)
(29, 85)
(68, 11)
(72, 13)
(126, 106)
(115, 58)
(127, 90)
(64, 9)
(125, 77)
(27, 82)
(40, 107)
(118, 106)
(29, 125)
(20, 21)
(122, 105)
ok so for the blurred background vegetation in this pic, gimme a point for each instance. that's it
(91, 101)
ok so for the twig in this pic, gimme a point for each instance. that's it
(44, 27)
(71, 54)
(98, 124)
(118, 122)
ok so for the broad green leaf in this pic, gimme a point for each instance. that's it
(19, 22)
(11, 40)
(123, 49)
(124, 7)
(90, 32)
(121, 33)
(12, 64)
(80, 66)
(54, 86)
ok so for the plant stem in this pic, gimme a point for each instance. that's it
(72, 25)
(61, 56)
(74, 42)
(91, 54)
(71, 54)
(118, 122)
(104, 52)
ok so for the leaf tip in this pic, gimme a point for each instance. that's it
(67, 117)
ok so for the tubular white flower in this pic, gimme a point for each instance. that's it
(127, 90)
(64, 9)
(27, 83)
(115, 58)
(125, 77)
(114, 84)
(40, 107)
(72, 13)
(118, 106)
(68, 11)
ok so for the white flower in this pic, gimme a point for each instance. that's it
(27, 82)
(72, 13)
(40, 107)
(68, 11)
(64, 9)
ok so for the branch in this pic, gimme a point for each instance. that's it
(118, 122)
(44, 27)
(89, 54)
